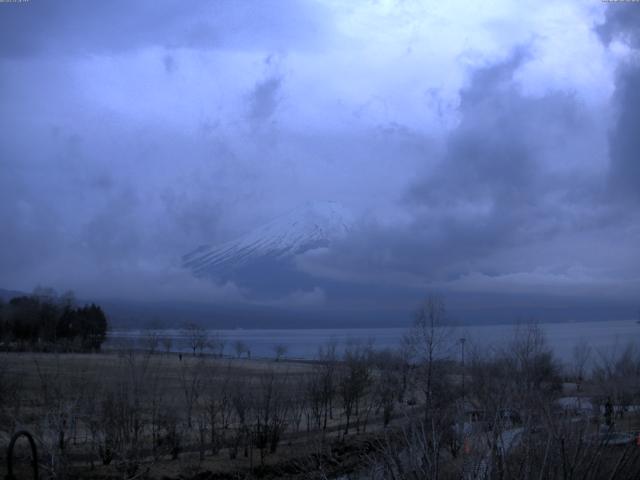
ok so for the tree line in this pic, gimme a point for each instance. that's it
(45, 321)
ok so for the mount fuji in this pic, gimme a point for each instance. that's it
(264, 258)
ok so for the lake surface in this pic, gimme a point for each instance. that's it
(603, 337)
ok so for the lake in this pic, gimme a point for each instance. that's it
(603, 337)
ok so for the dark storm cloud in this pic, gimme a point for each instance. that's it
(493, 188)
(493, 180)
(264, 99)
(81, 27)
(622, 23)
(76, 26)
(93, 211)
(624, 144)
(517, 195)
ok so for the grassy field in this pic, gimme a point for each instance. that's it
(30, 367)
(158, 396)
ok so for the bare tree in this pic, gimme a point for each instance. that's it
(581, 356)
(417, 449)
(387, 384)
(123, 416)
(217, 404)
(240, 347)
(216, 344)
(280, 350)
(242, 407)
(429, 343)
(167, 343)
(191, 383)
(150, 340)
(314, 399)
(328, 364)
(616, 375)
(61, 396)
(355, 379)
(196, 336)
(270, 412)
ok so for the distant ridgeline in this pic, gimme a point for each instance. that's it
(51, 323)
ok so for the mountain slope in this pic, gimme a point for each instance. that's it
(315, 225)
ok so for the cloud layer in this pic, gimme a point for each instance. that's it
(479, 151)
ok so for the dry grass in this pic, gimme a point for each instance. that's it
(30, 366)
(43, 379)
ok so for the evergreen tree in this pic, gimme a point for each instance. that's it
(43, 319)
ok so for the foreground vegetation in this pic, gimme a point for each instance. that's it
(421, 412)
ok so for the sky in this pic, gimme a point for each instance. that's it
(482, 146)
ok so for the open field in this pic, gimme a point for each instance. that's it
(411, 413)
(97, 409)
(31, 366)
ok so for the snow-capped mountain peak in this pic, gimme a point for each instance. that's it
(311, 226)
